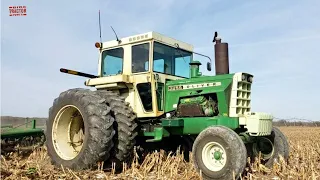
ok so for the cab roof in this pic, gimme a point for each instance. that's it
(146, 37)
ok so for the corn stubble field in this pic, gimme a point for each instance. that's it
(304, 163)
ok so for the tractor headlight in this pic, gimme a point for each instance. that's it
(250, 79)
(243, 77)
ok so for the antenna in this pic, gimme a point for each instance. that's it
(100, 27)
(119, 41)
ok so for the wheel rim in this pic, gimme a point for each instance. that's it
(265, 146)
(68, 132)
(214, 156)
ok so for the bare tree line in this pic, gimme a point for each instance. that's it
(296, 122)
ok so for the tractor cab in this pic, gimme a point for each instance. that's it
(138, 67)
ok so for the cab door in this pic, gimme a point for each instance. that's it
(159, 91)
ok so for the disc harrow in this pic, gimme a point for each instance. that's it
(21, 139)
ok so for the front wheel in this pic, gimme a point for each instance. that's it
(219, 153)
(271, 147)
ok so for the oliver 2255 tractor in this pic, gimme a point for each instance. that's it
(149, 92)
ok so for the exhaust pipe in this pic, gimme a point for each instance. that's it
(221, 56)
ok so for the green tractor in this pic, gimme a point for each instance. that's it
(150, 93)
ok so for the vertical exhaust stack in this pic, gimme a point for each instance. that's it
(221, 56)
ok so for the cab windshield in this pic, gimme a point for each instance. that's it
(170, 60)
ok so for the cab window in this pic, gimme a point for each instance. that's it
(170, 60)
(140, 58)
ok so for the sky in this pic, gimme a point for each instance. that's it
(276, 41)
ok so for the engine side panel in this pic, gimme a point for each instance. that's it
(177, 90)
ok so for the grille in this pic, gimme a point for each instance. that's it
(243, 97)
(240, 100)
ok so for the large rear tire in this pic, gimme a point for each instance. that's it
(125, 125)
(219, 153)
(79, 130)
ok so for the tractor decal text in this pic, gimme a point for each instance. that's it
(17, 10)
(193, 86)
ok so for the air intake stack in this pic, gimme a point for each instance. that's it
(221, 56)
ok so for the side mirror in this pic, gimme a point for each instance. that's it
(209, 66)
